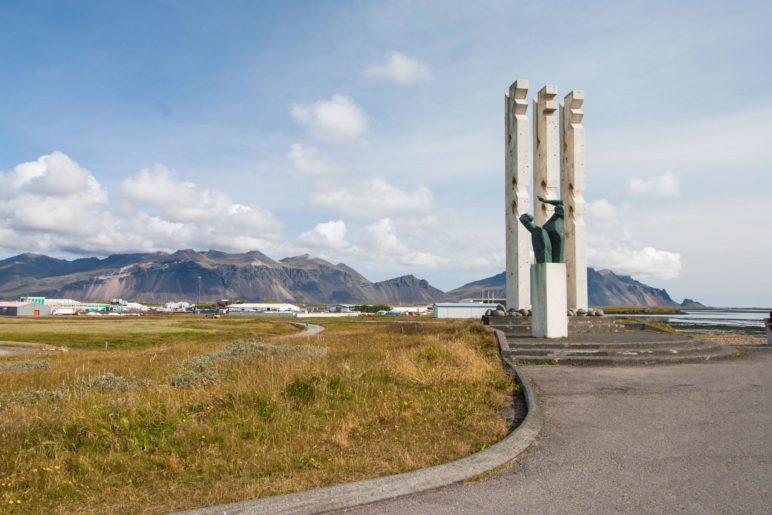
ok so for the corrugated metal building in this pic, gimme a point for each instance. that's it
(24, 309)
(462, 309)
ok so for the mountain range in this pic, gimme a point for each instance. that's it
(253, 276)
(604, 288)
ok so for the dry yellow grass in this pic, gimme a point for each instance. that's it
(106, 431)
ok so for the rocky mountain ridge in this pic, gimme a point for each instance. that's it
(604, 288)
(253, 276)
(206, 276)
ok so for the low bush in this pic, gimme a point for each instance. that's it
(25, 365)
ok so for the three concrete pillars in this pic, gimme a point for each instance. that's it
(558, 159)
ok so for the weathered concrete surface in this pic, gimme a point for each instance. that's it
(683, 438)
(548, 299)
(517, 171)
(573, 181)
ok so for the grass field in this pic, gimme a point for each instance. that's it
(178, 413)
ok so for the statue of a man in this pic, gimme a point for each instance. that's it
(556, 229)
(542, 246)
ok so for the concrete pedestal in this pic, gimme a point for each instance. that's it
(549, 302)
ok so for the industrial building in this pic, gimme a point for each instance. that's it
(408, 310)
(263, 307)
(74, 307)
(24, 309)
(68, 306)
(462, 309)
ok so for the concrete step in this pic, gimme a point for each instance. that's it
(521, 326)
(711, 354)
(693, 348)
(589, 346)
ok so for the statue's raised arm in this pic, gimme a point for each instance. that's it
(542, 246)
(527, 221)
(555, 202)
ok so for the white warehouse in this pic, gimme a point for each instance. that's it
(462, 309)
(262, 307)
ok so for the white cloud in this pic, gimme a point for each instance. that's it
(156, 191)
(665, 185)
(308, 160)
(337, 120)
(41, 206)
(53, 175)
(601, 210)
(611, 244)
(327, 235)
(382, 241)
(42, 211)
(401, 69)
(373, 198)
(645, 263)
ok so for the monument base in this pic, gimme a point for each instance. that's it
(549, 302)
(768, 324)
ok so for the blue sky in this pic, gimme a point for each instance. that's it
(372, 132)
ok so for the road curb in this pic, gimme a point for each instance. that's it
(368, 491)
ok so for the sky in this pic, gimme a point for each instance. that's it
(372, 133)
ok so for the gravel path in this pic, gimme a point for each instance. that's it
(734, 339)
(310, 330)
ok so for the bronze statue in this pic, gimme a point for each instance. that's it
(542, 246)
(548, 240)
(556, 228)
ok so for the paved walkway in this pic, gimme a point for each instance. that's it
(310, 330)
(691, 438)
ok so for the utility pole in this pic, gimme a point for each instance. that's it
(198, 299)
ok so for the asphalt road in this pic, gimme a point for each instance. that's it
(691, 438)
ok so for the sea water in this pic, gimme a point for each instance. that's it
(728, 318)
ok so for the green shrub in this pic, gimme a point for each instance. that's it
(337, 388)
(380, 375)
(301, 391)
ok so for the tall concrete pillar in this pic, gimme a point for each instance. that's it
(546, 152)
(573, 182)
(517, 165)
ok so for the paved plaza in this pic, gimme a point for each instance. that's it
(689, 438)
